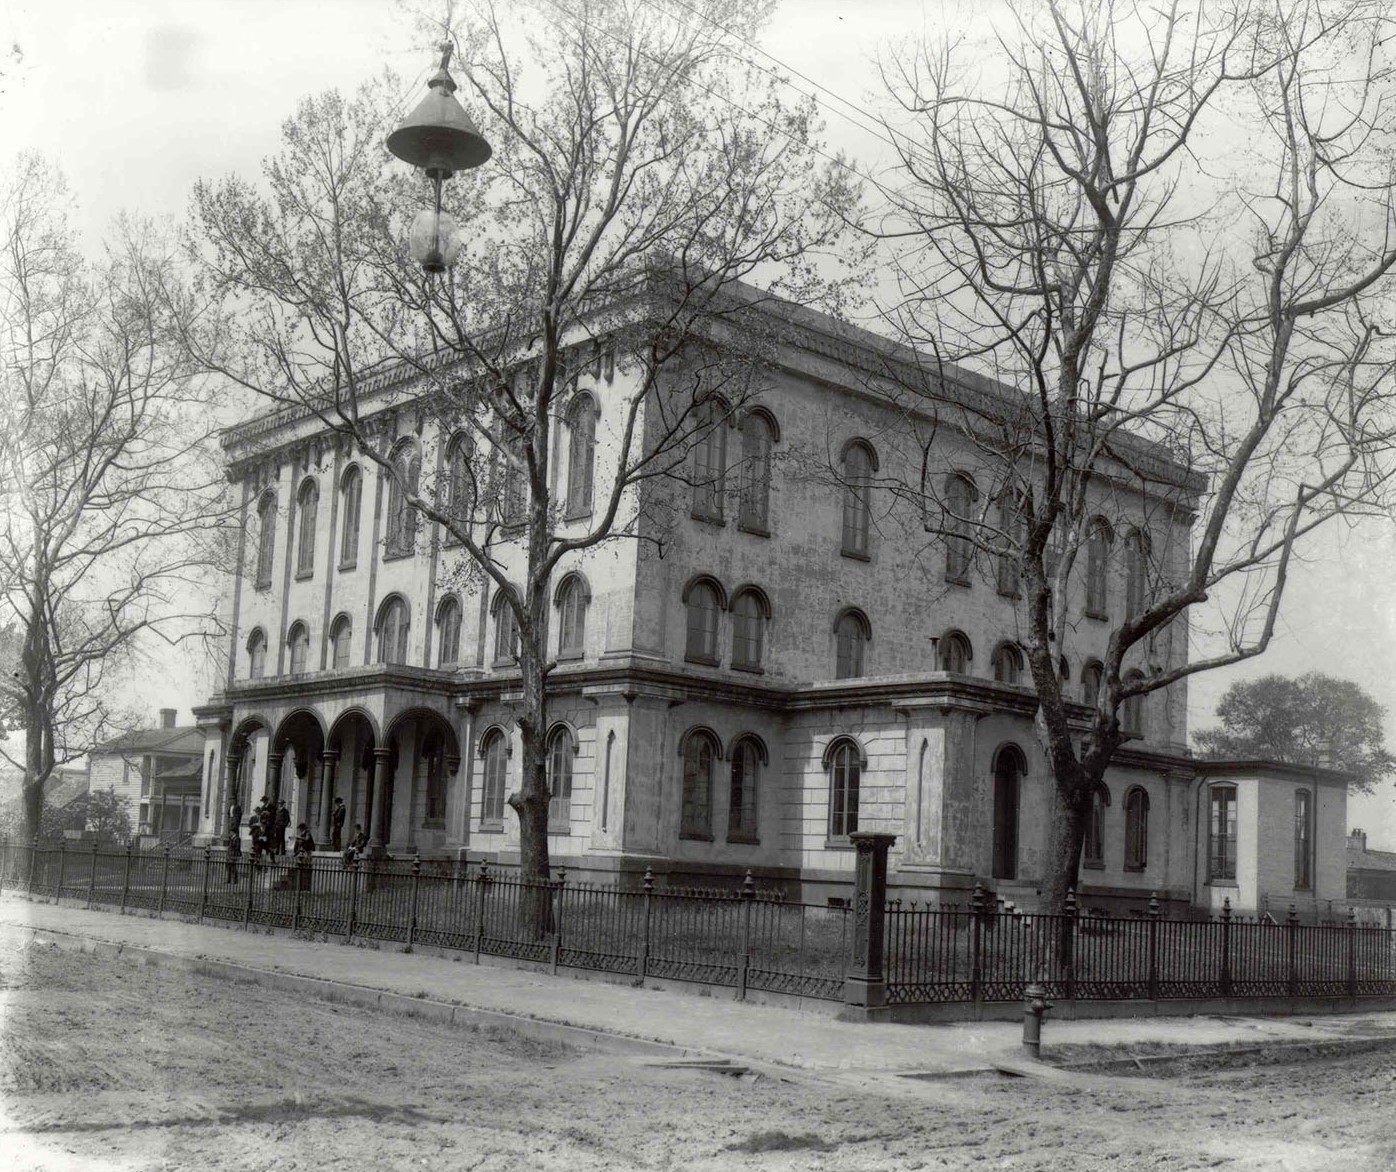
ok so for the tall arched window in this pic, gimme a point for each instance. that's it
(434, 795)
(460, 482)
(859, 463)
(561, 750)
(1136, 829)
(844, 761)
(1090, 683)
(1132, 707)
(709, 459)
(1303, 840)
(392, 630)
(256, 654)
(506, 629)
(1097, 569)
(700, 750)
(955, 653)
(747, 756)
(852, 632)
(307, 508)
(960, 496)
(495, 752)
(266, 539)
(750, 610)
(448, 632)
(581, 455)
(299, 642)
(341, 637)
(403, 481)
(1008, 664)
(758, 431)
(1009, 768)
(1136, 571)
(1221, 833)
(703, 600)
(1012, 527)
(351, 488)
(1093, 847)
(572, 600)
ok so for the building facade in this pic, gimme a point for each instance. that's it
(159, 774)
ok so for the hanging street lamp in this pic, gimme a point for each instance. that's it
(439, 137)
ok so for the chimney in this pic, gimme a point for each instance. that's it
(167, 717)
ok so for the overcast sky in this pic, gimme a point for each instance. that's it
(137, 99)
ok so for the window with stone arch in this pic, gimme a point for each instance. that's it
(506, 627)
(955, 653)
(748, 755)
(759, 434)
(403, 481)
(448, 621)
(1099, 538)
(341, 641)
(494, 752)
(1091, 675)
(307, 510)
(581, 456)
(960, 498)
(700, 751)
(257, 654)
(852, 634)
(266, 539)
(1132, 707)
(392, 628)
(1136, 829)
(562, 748)
(1008, 664)
(709, 470)
(858, 465)
(843, 760)
(751, 611)
(460, 483)
(298, 640)
(1093, 844)
(1136, 571)
(351, 491)
(572, 601)
(1012, 530)
(704, 602)
(1010, 768)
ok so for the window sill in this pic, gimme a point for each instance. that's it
(304, 575)
(565, 832)
(1222, 883)
(1136, 868)
(744, 839)
(694, 836)
(345, 567)
(1014, 594)
(753, 668)
(505, 664)
(577, 515)
(958, 580)
(708, 519)
(702, 660)
(1096, 616)
(1092, 865)
(453, 665)
(570, 655)
(855, 555)
(843, 843)
(261, 585)
(491, 825)
(754, 529)
(397, 555)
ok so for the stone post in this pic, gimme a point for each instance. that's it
(329, 760)
(378, 833)
(865, 984)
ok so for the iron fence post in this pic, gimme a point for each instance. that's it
(1154, 913)
(126, 880)
(4, 851)
(744, 968)
(62, 861)
(1351, 935)
(866, 983)
(642, 962)
(558, 888)
(976, 948)
(247, 903)
(1226, 947)
(1070, 926)
(412, 901)
(92, 876)
(482, 881)
(294, 873)
(164, 883)
(353, 897)
(1292, 941)
(203, 886)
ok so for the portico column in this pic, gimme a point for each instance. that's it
(274, 777)
(378, 835)
(328, 760)
(232, 792)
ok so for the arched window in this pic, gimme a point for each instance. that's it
(852, 633)
(1132, 707)
(1008, 664)
(750, 611)
(709, 459)
(256, 654)
(859, 463)
(460, 483)
(955, 653)
(1093, 846)
(299, 641)
(1303, 840)
(506, 629)
(703, 599)
(448, 632)
(844, 761)
(1090, 683)
(434, 759)
(266, 539)
(572, 600)
(1009, 769)
(1097, 569)
(561, 750)
(1136, 571)
(747, 756)
(581, 455)
(392, 630)
(1136, 829)
(758, 432)
(307, 508)
(341, 636)
(700, 750)
(495, 752)
(960, 496)
(403, 481)
(1012, 528)
(1221, 833)
(351, 488)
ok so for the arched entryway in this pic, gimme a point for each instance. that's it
(294, 765)
(240, 771)
(350, 768)
(422, 759)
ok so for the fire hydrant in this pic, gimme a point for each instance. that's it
(1035, 1006)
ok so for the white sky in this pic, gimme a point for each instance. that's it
(137, 99)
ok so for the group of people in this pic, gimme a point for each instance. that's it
(267, 826)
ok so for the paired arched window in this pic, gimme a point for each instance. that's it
(307, 509)
(460, 482)
(1098, 540)
(1090, 683)
(748, 755)
(709, 458)
(1132, 707)
(403, 481)
(1009, 769)
(1303, 840)
(960, 498)
(506, 628)
(750, 612)
(561, 750)
(341, 637)
(852, 633)
(257, 654)
(703, 600)
(298, 639)
(351, 490)
(844, 761)
(266, 539)
(1012, 528)
(1008, 664)
(700, 751)
(1136, 829)
(392, 629)
(758, 436)
(859, 464)
(573, 598)
(495, 751)
(1093, 845)
(581, 455)
(1136, 571)
(955, 653)
(448, 617)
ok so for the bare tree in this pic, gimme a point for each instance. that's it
(110, 492)
(1165, 230)
(642, 173)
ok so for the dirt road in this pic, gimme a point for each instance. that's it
(109, 1064)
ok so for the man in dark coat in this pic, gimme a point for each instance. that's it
(235, 813)
(232, 844)
(279, 828)
(337, 817)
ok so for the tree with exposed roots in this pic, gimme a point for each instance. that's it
(1167, 231)
(645, 182)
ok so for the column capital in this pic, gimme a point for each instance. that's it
(329, 756)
